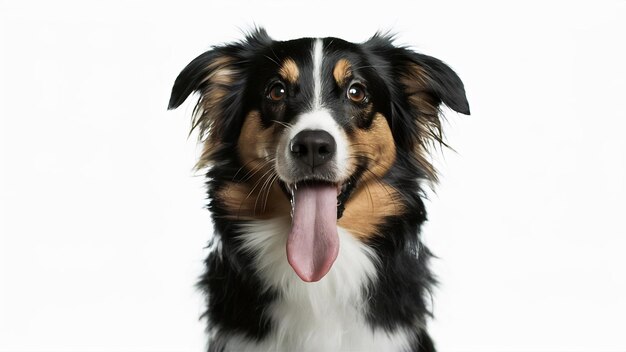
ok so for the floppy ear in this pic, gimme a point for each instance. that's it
(420, 75)
(218, 75)
(214, 75)
(418, 84)
(427, 83)
(216, 67)
(425, 75)
(195, 77)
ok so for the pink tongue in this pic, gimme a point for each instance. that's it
(313, 244)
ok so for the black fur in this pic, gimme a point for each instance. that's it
(235, 299)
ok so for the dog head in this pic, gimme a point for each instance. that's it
(315, 128)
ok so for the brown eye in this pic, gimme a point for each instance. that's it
(356, 92)
(276, 92)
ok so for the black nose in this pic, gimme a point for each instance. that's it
(313, 147)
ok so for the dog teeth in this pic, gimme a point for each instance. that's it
(293, 198)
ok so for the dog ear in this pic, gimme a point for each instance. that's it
(427, 82)
(214, 75)
(428, 75)
(421, 76)
(218, 75)
(215, 67)
(195, 77)
(419, 84)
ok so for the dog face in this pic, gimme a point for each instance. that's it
(315, 128)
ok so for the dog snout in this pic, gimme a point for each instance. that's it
(313, 147)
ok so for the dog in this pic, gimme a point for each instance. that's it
(316, 153)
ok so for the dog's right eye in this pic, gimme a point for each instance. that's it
(276, 92)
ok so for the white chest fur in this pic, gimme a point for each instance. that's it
(327, 315)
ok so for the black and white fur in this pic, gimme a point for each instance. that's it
(374, 298)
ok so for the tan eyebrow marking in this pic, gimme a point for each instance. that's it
(342, 70)
(289, 71)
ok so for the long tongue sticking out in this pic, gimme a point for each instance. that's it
(313, 243)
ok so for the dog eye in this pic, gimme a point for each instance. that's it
(276, 91)
(356, 92)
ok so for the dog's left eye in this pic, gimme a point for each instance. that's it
(276, 91)
(356, 92)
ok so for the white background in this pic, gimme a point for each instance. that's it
(102, 221)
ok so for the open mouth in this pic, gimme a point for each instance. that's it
(344, 190)
(313, 241)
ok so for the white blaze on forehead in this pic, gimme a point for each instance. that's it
(317, 118)
(318, 57)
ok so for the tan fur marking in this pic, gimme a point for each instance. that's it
(342, 71)
(377, 144)
(255, 142)
(374, 200)
(289, 71)
(255, 193)
(221, 73)
(245, 202)
(368, 207)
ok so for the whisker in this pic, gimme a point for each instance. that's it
(244, 165)
(269, 187)
(251, 174)
(272, 60)
(260, 194)
(257, 183)
(284, 124)
(329, 43)
(370, 66)
(267, 161)
(251, 191)
(273, 52)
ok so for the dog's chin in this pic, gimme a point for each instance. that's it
(344, 190)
